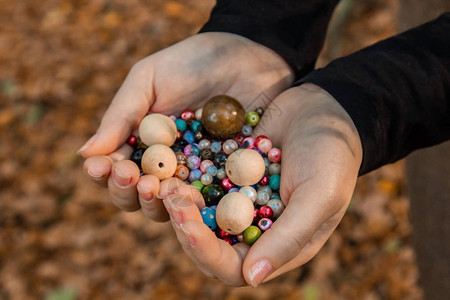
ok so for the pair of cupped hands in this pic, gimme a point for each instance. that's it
(321, 152)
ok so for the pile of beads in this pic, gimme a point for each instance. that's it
(211, 149)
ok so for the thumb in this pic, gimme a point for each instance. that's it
(129, 106)
(295, 237)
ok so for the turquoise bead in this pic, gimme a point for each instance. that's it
(195, 125)
(209, 217)
(274, 182)
(181, 124)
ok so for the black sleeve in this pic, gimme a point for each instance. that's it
(295, 29)
(397, 92)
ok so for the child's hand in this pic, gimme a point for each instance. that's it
(321, 157)
(183, 76)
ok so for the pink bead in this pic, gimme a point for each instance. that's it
(248, 142)
(132, 140)
(240, 237)
(264, 180)
(227, 184)
(173, 117)
(265, 212)
(264, 145)
(205, 164)
(229, 146)
(258, 138)
(187, 115)
(265, 223)
(188, 150)
(274, 155)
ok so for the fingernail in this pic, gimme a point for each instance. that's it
(259, 271)
(188, 235)
(145, 195)
(121, 179)
(87, 144)
(94, 174)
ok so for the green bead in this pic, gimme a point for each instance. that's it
(197, 184)
(274, 182)
(252, 234)
(252, 118)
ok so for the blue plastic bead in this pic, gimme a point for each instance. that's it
(233, 189)
(195, 175)
(215, 147)
(211, 170)
(189, 137)
(274, 182)
(181, 124)
(195, 125)
(209, 217)
(247, 130)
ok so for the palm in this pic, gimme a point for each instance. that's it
(321, 157)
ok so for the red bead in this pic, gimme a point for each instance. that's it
(256, 216)
(258, 138)
(229, 240)
(265, 212)
(132, 140)
(264, 180)
(227, 184)
(187, 115)
(222, 234)
(239, 138)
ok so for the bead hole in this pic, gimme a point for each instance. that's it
(161, 165)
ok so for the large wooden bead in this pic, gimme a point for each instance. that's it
(157, 129)
(245, 167)
(159, 160)
(223, 116)
(234, 213)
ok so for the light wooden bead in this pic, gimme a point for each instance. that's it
(157, 129)
(234, 213)
(159, 160)
(245, 167)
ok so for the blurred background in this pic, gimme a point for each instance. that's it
(61, 62)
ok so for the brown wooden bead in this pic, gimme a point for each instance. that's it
(157, 129)
(234, 213)
(245, 167)
(223, 116)
(159, 160)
